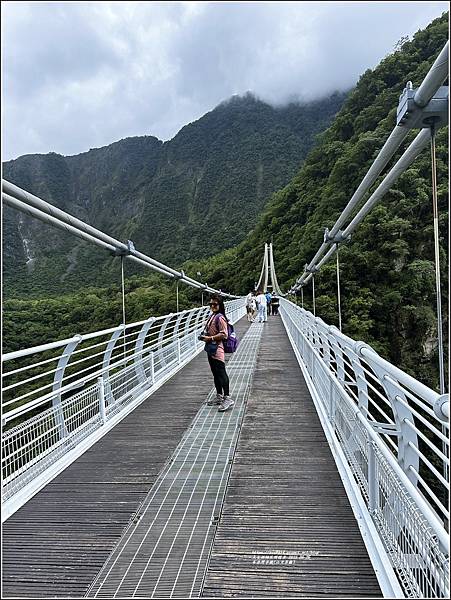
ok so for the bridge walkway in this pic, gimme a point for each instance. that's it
(286, 527)
(56, 544)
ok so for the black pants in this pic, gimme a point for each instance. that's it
(220, 376)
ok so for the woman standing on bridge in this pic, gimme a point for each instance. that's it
(215, 331)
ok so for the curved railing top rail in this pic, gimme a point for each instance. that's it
(433, 398)
(396, 446)
(87, 336)
(36, 375)
(60, 397)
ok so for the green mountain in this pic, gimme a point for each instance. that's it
(387, 271)
(190, 197)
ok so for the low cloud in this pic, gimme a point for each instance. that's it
(82, 75)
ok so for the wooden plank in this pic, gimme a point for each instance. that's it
(286, 527)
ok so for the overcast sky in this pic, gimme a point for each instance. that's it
(79, 75)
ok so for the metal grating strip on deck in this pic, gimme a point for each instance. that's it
(164, 550)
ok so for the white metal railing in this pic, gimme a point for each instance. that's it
(57, 395)
(393, 431)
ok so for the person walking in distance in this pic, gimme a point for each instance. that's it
(215, 331)
(274, 304)
(261, 303)
(268, 303)
(253, 308)
(249, 306)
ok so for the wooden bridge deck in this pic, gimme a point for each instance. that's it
(286, 526)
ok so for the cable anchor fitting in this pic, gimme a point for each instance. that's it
(125, 251)
(411, 112)
(311, 270)
(338, 238)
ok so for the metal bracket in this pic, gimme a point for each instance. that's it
(122, 252)
(312, 270)
(385, 428)
(338, 238)
(411, 115)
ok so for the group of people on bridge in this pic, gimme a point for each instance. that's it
(261, 305)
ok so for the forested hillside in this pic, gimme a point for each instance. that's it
(187, 198)
(387, 271)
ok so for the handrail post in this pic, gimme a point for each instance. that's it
(152, 367)
(373, 495)
(407, 457)
(186, 334)
(161, 338)
(106, 363)
(102, 409)
(176, 333)
(331, 400)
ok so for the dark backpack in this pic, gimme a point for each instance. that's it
(231, 343)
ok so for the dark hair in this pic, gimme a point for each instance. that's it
(220, 301)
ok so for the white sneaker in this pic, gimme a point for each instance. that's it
(215, 400)
(226, 404)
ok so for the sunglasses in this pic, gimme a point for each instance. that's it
(213, 304)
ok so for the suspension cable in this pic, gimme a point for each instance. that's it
(414, 150)
(338, 291)
(437, 261)
(436, 75)
(313, 289)
(27, 203)
(123, 298)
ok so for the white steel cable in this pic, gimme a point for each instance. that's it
(36, 207)
(338, 292)
(412, 152)
(433, 80)
(438, 289)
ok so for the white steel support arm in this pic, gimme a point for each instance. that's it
(416, 147)
(434, 79)
(436, 75)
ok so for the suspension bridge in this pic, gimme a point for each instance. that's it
(329, 478)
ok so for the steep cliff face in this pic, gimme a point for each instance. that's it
(186, 198)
